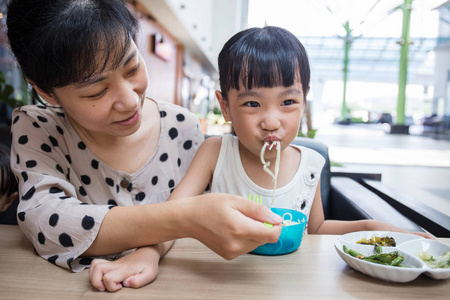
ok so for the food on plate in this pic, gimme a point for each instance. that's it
(436, 262)
(390, 259)
(382, 241)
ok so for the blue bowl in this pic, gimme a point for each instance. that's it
(290, 237)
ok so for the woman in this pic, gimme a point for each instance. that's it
(96, 163)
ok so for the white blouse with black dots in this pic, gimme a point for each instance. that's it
(66, 191)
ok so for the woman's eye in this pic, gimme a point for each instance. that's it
(287, 102)
(134, 70)
(251, 104)
(98, 95)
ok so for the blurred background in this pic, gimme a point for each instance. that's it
(380, 84)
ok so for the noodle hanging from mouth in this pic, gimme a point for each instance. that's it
(267, 164)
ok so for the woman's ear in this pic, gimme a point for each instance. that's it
(223, 106)
(48, 97)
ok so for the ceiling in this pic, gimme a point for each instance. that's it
(371, 59)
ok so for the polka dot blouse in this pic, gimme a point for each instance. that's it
(66, 191)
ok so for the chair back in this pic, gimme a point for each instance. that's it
(326, 172)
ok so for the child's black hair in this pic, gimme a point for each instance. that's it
(60, 42)
(263, 57)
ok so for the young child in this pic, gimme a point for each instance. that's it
(264, 81)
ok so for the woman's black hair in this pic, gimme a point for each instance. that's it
(263, 57)
(8, 183)
(60, 42)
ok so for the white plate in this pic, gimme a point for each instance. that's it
(409, 245)
(413, 265)
(398, 236)
(431, 247)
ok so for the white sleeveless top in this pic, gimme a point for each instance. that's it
(230, 177)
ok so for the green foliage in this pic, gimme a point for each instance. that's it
(335, 164)
(217, 111)
(357, 120)
(7, 93)
(310, 134)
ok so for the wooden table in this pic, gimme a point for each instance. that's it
(190, 270)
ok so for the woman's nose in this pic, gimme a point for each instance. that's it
(127, 99)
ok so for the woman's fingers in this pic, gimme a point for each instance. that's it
(230, 225)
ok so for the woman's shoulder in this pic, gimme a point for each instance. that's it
(181, 113)
(38, 116)
(41, 113)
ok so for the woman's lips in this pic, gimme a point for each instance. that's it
(131, 120)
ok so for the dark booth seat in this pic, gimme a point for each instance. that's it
(345, 198)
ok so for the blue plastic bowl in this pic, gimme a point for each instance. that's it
(290, 237)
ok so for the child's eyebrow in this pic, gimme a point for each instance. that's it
(248, 93)
(257, 94)
(290, 91)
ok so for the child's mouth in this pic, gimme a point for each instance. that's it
(272, 144)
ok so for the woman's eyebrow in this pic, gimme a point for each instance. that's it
(91, 81)
(130, 57)
(99, 78)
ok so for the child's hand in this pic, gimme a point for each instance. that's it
(425, 235)
(133, 270)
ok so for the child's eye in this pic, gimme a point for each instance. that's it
(251, 104)
(287, 102)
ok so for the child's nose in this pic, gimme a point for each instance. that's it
(270, 122)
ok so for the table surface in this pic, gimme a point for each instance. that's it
(190, 270)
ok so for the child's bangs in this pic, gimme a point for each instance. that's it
(263, 64)
(268, 70)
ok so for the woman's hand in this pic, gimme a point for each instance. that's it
(134, 270)
(229, 225)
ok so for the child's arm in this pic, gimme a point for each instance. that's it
(318, 225)
(133, 270)
(200, 171)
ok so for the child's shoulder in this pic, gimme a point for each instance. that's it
(212, 143)
(310, 154)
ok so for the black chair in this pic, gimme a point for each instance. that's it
(345, 198)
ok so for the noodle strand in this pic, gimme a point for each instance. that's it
(267, 164)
